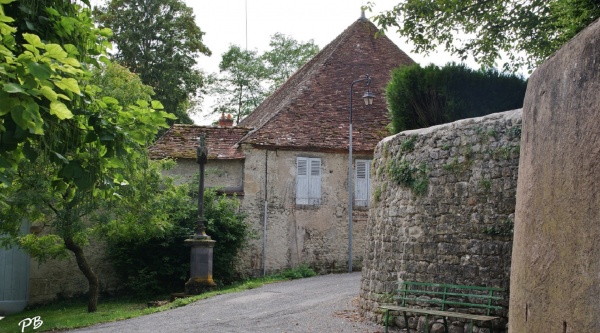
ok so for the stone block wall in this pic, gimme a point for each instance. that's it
(443, 207)
(55, 279)
(556, 268)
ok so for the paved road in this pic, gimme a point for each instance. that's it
(320, 304)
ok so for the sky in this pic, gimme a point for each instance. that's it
(251, 23)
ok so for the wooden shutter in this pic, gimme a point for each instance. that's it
(362, 182)
(308, 181)
(314, 182)
(302, 181)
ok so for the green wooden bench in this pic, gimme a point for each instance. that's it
(446, 301)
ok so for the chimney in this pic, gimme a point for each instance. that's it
(226, 121)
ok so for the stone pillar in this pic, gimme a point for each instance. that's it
(555, 273)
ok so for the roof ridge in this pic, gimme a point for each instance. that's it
(304, 71)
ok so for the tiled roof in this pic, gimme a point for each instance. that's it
(180, 141)
(310, 111)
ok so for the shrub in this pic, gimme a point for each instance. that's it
(422, 97)
(161, 263)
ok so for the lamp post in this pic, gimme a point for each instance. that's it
(368, 99)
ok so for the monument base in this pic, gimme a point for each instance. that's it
(201, 266)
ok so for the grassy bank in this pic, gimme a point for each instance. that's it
(73, 313)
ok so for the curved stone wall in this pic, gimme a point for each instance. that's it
(443, 207)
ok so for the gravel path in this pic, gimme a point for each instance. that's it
(320, 304)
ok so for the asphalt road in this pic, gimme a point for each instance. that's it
(325, 303)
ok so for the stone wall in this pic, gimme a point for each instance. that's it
(444, 200)
(316, 235)
(62, 278)
(555, 281)
(217, 173)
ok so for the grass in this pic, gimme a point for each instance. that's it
(70, 314)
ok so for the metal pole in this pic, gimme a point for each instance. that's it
(351, 175)
(201, 158)
(264, 265)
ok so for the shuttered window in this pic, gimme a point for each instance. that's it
(308, 181)
(362, 183)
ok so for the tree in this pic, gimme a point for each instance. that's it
(63, 145)
(285, 57)
(118, 82)
(160, 41)
(421, 97)
(239, 86)
(247, 78)
(527, 32)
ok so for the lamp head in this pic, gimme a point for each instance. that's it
(368, 97)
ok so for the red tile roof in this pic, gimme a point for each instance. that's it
(310, 111)
(180, 141)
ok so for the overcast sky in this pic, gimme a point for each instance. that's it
(227, 22)
(224, 22)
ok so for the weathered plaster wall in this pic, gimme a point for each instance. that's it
(453, 231)
(314, 235)
(555, 281)
(62, 278)
(217, 173)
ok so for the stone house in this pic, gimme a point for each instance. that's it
(288, 159)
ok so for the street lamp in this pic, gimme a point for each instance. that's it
(368, 99)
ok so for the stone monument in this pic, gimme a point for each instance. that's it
(201, 260)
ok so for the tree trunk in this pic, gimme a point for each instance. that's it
(87, 271)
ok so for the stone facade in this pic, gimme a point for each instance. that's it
(226, 174)
(555, 278)
(443, 205)
(316, 235)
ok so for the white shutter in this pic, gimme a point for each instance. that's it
(362, 183)
(308, 181)
(302, 181)
(314, 182)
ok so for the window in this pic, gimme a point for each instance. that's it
(362, 183)
(308, 181)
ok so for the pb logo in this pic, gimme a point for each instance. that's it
(36, 321)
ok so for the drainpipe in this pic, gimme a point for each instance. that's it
(264, 256)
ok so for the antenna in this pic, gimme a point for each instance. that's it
(246, 3)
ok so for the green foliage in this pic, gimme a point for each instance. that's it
(403, 173)
(504, 228)
(63, 145)
(422, 97)
(160, 41)
(377, 194)
(302, 271)
(247, 78)
(285, 57)
(118, 82)
(524, 33)
(153, 263)
(408, 145)
(514, 132)
(506, 152)
(238, 85)
(486, 185)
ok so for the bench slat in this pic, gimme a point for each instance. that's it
(436, 301)
(416, 291)
(452, 286)
(439, 313)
